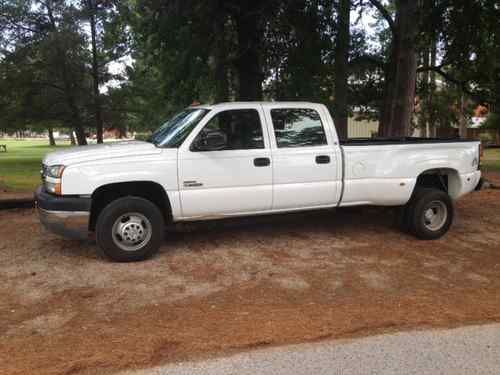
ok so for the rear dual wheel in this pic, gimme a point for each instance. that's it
(428, 215)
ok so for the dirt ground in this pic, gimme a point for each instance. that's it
(222, 287)
(10, 195)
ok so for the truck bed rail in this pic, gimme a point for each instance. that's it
(401, 140)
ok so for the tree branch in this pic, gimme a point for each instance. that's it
(370, 59)
(439, 70)
(448, 77)
(48, 84)
(385, 13)
(15, 25)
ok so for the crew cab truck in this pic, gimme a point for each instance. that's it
(249, 158)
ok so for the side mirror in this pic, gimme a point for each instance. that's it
(213, 140)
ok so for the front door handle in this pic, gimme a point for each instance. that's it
(261, 162)
(192, 184)
(322, 159)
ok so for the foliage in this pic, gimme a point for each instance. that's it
(185, 51)
(43, 70)
(492, 121)
(299, 47)
(45, 62)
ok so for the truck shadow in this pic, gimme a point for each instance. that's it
(344, 222)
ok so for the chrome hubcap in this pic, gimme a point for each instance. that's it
(435, 215)
(131, 231)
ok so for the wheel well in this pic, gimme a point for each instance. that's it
(444, 179)
(149, 190)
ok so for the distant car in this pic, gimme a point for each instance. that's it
(252, 158)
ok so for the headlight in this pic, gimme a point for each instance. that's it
(51, 176)
(55, 171)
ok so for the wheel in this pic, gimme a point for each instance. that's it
(130, 229)
(429, 213)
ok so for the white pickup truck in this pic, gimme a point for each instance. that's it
(251, 158)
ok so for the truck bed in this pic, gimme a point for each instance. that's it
(386, 172)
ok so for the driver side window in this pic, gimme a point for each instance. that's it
(241, 129)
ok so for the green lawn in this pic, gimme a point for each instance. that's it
(491, 160)
(20, 165)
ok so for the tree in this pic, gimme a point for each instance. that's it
(248, 20)
(471, 39)
(469, 47)
(298, 42)
(68, 58)
(401, 68)
(43, 41)
(342, 68)
(50, 38)
(220, 51)
(186, 50)
(92, 9)
(109, 42)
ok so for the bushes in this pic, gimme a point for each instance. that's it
(492, 121)
(142, 136)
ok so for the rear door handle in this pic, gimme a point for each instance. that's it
(322, 159)
(261, 162)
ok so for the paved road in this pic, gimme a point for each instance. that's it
(470, 350)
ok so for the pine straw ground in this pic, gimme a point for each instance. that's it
(216, 288)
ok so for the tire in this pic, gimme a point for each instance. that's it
(429, 214)
(130, 229)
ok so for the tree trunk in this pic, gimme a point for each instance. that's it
(341, 69)
(423, 110)
(52, 141)
(495, 110)
(72, 137)
(221, 77)
(248, 64)
(462, 120)
(74, 112)
(80, 132)
(399, 96)
(92, 9)
(432, 90)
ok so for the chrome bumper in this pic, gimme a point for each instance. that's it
(69, 224)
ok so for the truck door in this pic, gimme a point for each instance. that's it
(232, 177)
(305, 172)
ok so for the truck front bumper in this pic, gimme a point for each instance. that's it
(65, 216)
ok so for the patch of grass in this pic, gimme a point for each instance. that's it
(20, 165)
(491, 160)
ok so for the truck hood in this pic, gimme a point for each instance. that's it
(79, 154)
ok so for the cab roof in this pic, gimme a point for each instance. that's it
(249, 104)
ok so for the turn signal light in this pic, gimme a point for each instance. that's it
(58, 188)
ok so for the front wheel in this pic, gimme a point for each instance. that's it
(429, 213)
(130, 229)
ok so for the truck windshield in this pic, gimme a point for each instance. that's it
(173, 132)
